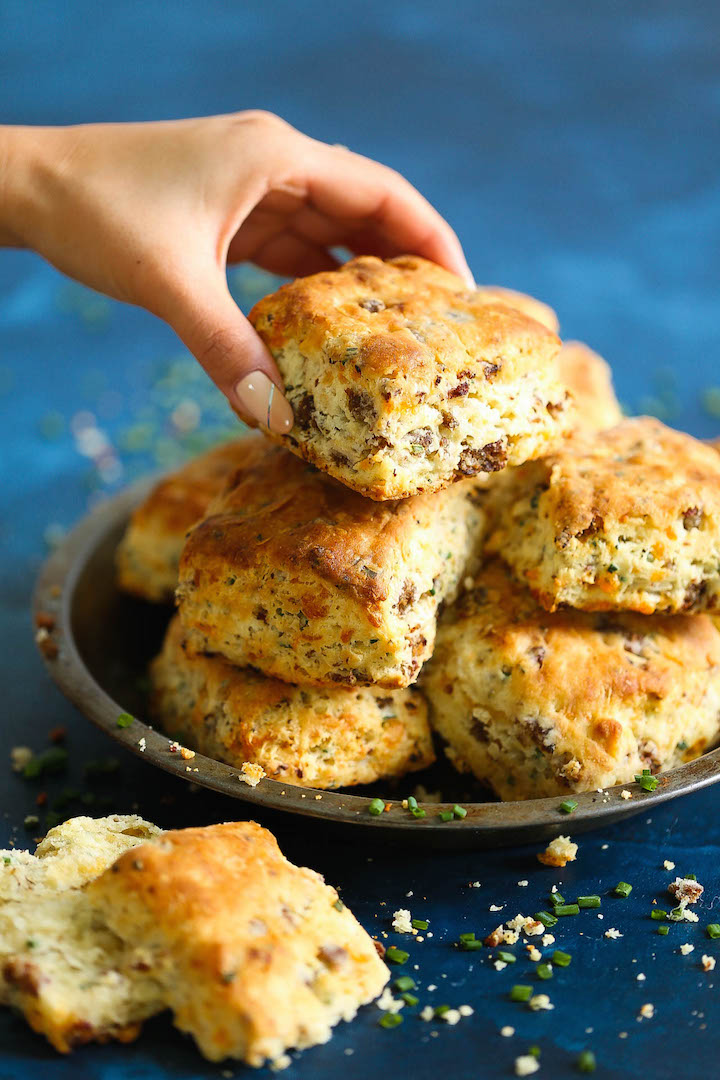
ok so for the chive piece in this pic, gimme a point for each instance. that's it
(376, 807)
(556, 898)
(338, 905)
(51, 761)
(586, 1062)
(658, 915)
(544, 971)
(588, 901)
(677, 914)
(567, 909)
(561, 959)
(459, 811)
(391, 1020)
(690, 877)
(420, 924)
(546, 918)
(404, 982)
(464, 938)
(472, 946)
(395, 955)
(412, 802)
(125, 719)
(665, 929)
(446, 815)
(568, 806)
(441, 1010)
(534, 1051)
(647, 782)
(713, 930)
(418, 813)
(520, 993)
(409, 999)
(622, 889)
(506, 957)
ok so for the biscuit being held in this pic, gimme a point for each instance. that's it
(538, 704)
(402, 380)
(148, 554)
(294, 574)
(628, 519)
(319, 738)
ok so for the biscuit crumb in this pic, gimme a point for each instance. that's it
(20, 756)
(613, 933)
(250, 773)
(647, 1011)
(507, 1031)
(526, 1064)
(708, 962)
(626, 794)
(559, 852)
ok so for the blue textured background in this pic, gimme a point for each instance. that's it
(576, 149)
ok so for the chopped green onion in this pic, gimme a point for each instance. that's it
(568, 806)
(418, 813)
(622, 889)
(713, 930)
(646, 781)
(556, 898)
(586, 1062)
(396, 956)
(446, 815)
(677, 914)
(51, 761)
(520, 993)
(561, 959)
(420, 924)
(658, 914)
(391, 1020)
(376, 807)
(459, 811)
(472, 946)
(544, 971)
(534, 1051)
(404, 982)
(125, 719)
(506, 957)
(690, 877)
(441, 1010)
(567, 909)
(409, 999)
(338, 905)
(588, 901)
(546, 918)
(663, 930)
(464, 938)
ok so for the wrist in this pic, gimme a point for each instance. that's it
(21, 157)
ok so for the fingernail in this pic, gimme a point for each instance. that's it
(259, 396)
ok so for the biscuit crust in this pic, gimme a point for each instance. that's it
(589, 379)
(318, 738)
(402, 380)
(538, 704)
(298, 576)
(253, 954)
(148, 554)
(628, 519)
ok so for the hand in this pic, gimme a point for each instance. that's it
(151, 214)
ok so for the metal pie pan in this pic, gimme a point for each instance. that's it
(98, 651)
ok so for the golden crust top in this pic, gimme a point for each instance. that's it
(403, 318)
(277, 511)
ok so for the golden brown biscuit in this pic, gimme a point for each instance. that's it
(403, 380)
(59, 965)
(319, 738)
(252, 954)
(627, 519)
(294, 574)
(589, 379)
(537, 704)
(148, 554)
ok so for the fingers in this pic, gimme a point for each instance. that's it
(346, 185)
(219, 336)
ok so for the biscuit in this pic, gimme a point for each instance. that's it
(58, 964)
(319, 738)
(628, 519)
(252, 954)
(403, 380)
(538, 704)
(294, 574)
(589, 380)
(148, 554)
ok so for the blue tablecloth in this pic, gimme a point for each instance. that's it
(576, 149)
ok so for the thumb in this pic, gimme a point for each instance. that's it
(220, 338)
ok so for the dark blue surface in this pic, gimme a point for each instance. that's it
(576, 149)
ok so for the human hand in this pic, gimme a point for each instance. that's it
(151, 213)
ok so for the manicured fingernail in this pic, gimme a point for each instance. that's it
(259, 396)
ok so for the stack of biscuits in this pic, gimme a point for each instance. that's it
(458, 503)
